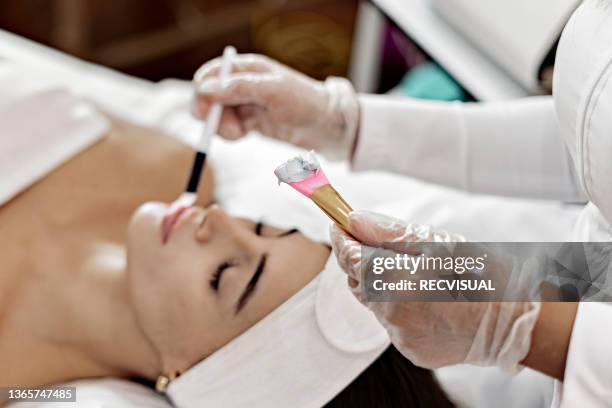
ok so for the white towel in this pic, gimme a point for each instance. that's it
(41, 127)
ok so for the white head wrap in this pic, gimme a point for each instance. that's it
(301, 355)
(583, 98)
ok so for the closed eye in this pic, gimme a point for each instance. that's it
(216, 278)
(259, 227)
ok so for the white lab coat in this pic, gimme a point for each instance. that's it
(524, 148)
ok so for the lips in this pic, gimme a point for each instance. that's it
(172, 215)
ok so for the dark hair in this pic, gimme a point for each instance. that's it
(392, 381)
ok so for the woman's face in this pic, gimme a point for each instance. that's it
(199, 277)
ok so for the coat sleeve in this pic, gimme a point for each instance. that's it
(507, 148)
(588, 371)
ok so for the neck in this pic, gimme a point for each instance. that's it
(112, 335)
(75, 325)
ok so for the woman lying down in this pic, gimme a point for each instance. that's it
(214, 310)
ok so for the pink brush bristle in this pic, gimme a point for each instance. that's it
(311, 184)
(303, 173)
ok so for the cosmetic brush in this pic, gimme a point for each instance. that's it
(189, 196)
(304, 174)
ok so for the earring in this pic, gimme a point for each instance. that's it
(162, 382)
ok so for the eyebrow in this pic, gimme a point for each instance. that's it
(248, 291)
(290, 232)
(259, 227)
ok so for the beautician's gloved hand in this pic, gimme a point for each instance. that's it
(263, 95)
(435, 334)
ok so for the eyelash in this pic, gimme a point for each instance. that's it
(216, 278)
(259, 226)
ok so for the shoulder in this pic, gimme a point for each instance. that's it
(583, 58)
(583, 97)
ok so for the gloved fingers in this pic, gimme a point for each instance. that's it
(374, 229)
(392, 233)
(347, 251)
(339, 238)
(378, 230)
(356, 289)
(240, 63)
(237, 121)
(241, 89)
(503, 334)
(253, 117)
(246, 112)
(359, 294)
(230, 126)
(200, 107)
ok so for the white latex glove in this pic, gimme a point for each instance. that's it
(263, 95)
(436, 334)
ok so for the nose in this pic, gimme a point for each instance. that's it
(218, 225)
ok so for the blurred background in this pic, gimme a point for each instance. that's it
(431, 49)
(157, 39)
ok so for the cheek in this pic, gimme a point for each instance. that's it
(162, 284)
(292, 265)
(288, 278)
(278, 283)
(175, 310)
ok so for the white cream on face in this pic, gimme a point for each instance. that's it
(298, 168)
